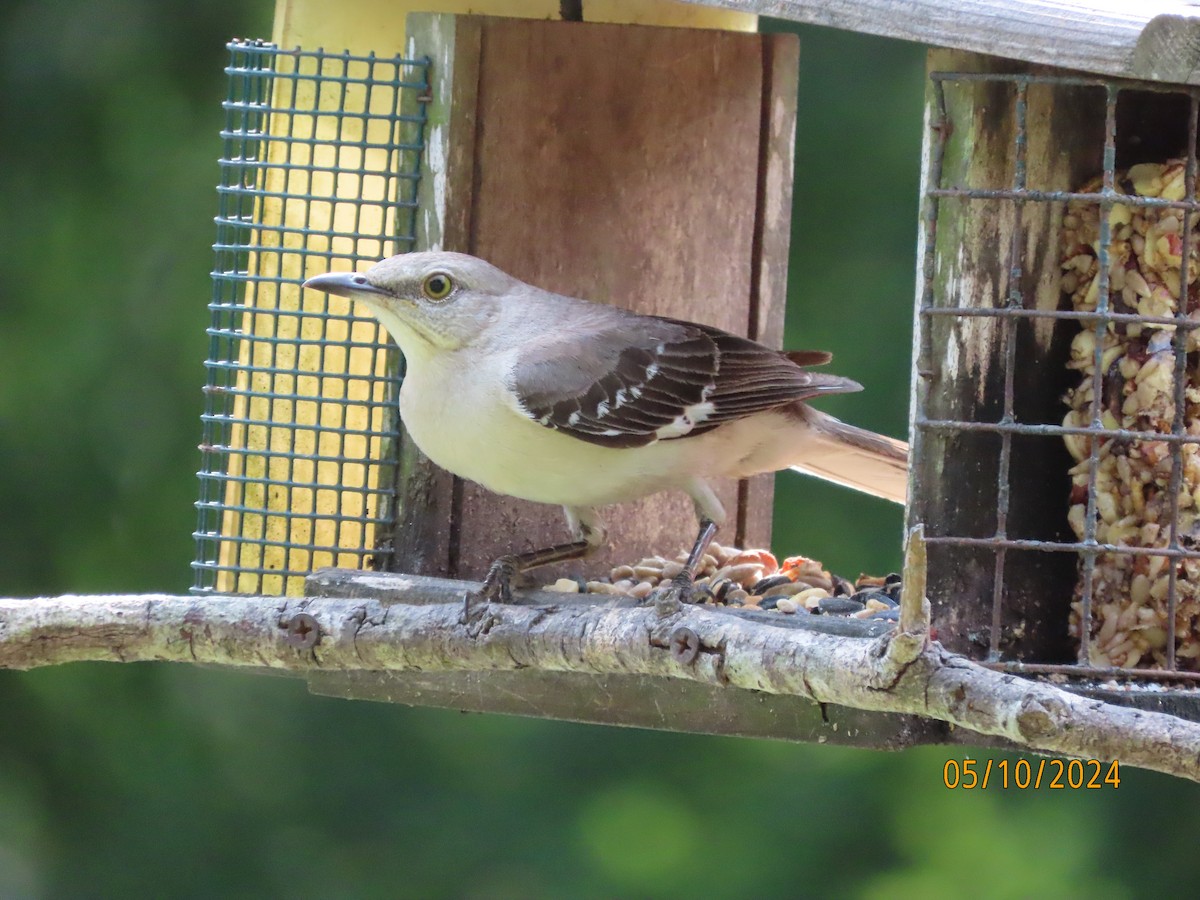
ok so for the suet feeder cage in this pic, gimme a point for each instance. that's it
(1056, 388)
(299, 458)
(1052, 472)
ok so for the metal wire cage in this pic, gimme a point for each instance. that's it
(1059, 279)
(319, 171)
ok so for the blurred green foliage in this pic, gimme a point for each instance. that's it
(177, 782)
(850, 277)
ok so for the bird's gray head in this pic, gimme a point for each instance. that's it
(427, 300)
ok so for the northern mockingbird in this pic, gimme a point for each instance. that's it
(559, 400)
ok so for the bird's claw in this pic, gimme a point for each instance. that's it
(477, 616)
(496, 587)
(670, 597)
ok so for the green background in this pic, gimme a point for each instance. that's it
(175, 781)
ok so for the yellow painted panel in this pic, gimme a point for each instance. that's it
(308, 396)
(378, 25)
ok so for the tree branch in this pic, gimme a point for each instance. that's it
(892, 673)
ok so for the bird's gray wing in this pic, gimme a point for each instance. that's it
(625, 380)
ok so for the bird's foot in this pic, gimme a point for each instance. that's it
(496, 588)
(670, 596)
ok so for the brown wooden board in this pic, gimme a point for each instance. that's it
(772, 234)
(644, 167)
(663, 704)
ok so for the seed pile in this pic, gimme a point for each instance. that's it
(754, 579)
(1133, 478)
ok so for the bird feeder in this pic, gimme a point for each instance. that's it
(570, 155)
(1052, 472)
(534, 144)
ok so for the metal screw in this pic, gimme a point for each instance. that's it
(685, 645)
(303, 631)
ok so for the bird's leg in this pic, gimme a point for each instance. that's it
(497, 585)
(710, 512)
(679, 589)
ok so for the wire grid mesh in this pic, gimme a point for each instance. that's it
(319, 172)
(1175, 546)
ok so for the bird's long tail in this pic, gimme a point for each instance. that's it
(854, 457)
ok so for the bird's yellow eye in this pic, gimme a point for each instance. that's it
(437, 286)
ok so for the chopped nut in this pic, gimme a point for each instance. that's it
(1133, 477)
(745, 574)
(802, 584)
(790, 589)
(763, 558)
(1147, 179)
(810, 598)
(603, 587)
(670, 569)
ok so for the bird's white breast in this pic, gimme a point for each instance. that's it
(461, 418)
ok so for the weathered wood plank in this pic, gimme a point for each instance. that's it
(624, 700)
(772, 240)
(663, 704)
(423, 538)
(984, 253)
(1147, 39)
(388, 587)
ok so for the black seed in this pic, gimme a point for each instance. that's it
(838, 606)
(765, 584)
(863, 596)
(842, 586)
(769, 603)
(891, 579)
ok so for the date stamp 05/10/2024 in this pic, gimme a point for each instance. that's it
(1023, 774)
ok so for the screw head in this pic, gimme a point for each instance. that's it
(685, 645)
(303, 631)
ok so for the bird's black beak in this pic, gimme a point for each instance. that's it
(344, 284)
